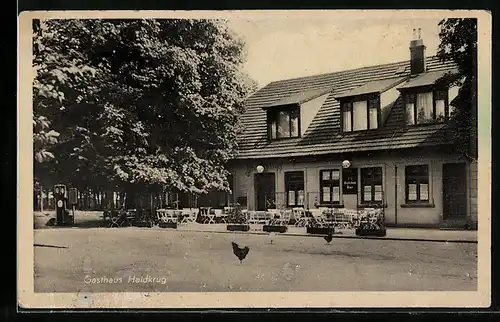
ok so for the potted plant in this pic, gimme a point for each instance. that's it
(237, 220)
(143, 218)
(168, 224)
(314, 226)
(275, 225)
(367, 227)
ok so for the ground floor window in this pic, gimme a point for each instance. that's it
(294, 188)
(417, 183)
(330, 186)
(371, 185)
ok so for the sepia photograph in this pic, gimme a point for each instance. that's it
(254, 159)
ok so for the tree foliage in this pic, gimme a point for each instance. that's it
(152, 103)
(458, 43)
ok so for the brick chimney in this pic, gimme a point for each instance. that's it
(417, 54)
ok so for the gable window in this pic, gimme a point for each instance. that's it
(426, 107)
(359, 115)
(330, 186)
(283, 123)
(294, 187)
(417, 184)
(371, 183)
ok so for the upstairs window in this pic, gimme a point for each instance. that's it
(359, 115)
(426, 107)
(283, 123)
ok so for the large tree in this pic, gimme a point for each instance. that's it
(149, 103)
(458, 43)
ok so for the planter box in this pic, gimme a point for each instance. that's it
(148, 224)
(371, 232)
(168, 225)
(278, 229)
(320, 230)
(237, 227)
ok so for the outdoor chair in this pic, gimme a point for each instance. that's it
(251, 217)
(316, 213)
(299, 215)
(114, 220)
(210, 216)
(130, 215)
(161, 215)
(261, 217)
(168, 215)
(285, 217)
(220, 216)
(188, 215)
(341, 220)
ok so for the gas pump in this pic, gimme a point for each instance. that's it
(60, 199)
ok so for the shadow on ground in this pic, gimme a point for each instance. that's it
(82, 220)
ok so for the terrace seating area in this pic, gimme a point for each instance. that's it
(339, 218)
(310, 214)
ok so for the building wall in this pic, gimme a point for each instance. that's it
(396, 212)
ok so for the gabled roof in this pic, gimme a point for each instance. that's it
(302, 97)
(323, 136)
(373, 87)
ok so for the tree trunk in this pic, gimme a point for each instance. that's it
(41, 199)
(131, 195)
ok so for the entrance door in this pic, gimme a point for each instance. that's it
(264, 190)
(454, 191)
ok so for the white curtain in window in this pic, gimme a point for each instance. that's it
(367, 193)
(424, 107)
(300, 198)
(336, 194)
(283, 124)
(360, 115)
(373, 118)
(273, 130)
(410, 114)
(424, 191)
(347, 121)
(378, 193)
(326, 194)
(294, 130)
(439, 109)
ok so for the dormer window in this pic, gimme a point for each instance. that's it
(283, 122)
(360, 114)
(423, 107)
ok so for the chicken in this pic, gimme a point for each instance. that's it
(328, 238)
(241, 253)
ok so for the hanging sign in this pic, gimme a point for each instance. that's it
(350, 181)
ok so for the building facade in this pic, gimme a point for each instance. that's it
(370, 137)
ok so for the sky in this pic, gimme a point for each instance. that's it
(281, 47)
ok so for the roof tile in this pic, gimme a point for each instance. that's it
(323, 136)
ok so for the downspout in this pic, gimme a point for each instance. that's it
(395, 195)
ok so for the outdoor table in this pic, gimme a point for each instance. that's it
(172, 215)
